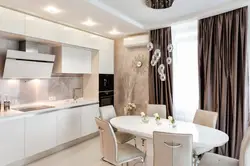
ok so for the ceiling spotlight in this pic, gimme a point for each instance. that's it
(89, 22)
(52, 10)
(114, 32)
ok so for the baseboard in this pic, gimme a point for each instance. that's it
(54, 150)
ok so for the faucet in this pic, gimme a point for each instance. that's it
(74, 93)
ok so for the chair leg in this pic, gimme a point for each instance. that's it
(143, 146)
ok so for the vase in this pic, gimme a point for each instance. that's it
(145, 119)
(172, 125)
(158, 121)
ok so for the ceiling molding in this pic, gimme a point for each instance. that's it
(116, 13)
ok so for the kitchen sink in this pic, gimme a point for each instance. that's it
(33, 108)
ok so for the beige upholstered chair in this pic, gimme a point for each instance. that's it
(107, 113)
(208, 119)
(154, 108)
(172, 149)
(210, 159)
(113, 152)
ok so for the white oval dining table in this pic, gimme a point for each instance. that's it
(202, 136)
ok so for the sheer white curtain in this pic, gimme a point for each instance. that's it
(185, 70)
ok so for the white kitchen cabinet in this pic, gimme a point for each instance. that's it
(40, 133)
(68, 125)
(11, 141)
(50, 30)
(12, 21)
(74, 60)
(88, 119)
(106, 57)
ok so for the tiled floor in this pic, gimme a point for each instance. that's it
(84, 154)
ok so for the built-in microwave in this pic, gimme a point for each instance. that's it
(106, 82)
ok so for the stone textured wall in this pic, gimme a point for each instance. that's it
(131, 83)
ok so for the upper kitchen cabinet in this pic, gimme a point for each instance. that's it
(106, 56)
(72, 60)
(33, 28)
(12, 21)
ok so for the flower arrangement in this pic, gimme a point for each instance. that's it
(129, 109)
(144, 117)
(157, 118)
(171, 120)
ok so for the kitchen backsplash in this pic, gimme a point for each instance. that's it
(29, 91)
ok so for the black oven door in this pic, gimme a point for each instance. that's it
(106, 98)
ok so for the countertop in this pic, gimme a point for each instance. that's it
(57, 106)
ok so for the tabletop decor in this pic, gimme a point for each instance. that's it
(130, 109)
(144, 118)
(171, 121)
(157, 118)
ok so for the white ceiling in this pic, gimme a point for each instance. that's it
(128, 16)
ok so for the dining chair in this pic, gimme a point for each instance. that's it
(156, 108)
(211, 159)
(113, 152)
(172, 149)
(208, 119)
(107, 113)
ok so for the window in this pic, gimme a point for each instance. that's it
(185, 70)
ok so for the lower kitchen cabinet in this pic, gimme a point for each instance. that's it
(88, 119)
(11, 141)
(68, 125)
(40, 133)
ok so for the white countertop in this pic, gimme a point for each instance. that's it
(58, 105)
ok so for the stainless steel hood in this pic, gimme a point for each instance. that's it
(28, 63)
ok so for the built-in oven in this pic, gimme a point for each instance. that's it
(106, 98)
(106, 82)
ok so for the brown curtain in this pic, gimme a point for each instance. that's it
(161, 92)
(222, 71)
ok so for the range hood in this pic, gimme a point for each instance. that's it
(27, 63)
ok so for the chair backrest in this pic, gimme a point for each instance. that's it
(172, 149)
(108, 140)
(160, 109)
(245, 150)
(107, 112)
(206, 118)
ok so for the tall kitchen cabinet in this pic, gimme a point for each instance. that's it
(40, 133)
(11, 141)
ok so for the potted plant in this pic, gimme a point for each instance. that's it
(171, 121)
(144, 118)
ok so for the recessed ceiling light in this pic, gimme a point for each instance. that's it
(52, 10)
(114, 32)
(89, 22)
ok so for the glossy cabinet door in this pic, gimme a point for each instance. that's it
(11, 141)
(12, 21)
(88, 119)
(68, 125)
(50, 29)
(76, 60)
(40, 133)
(106, 57)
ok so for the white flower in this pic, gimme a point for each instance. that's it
(143, 114)
(170, 118)
(156, 115)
